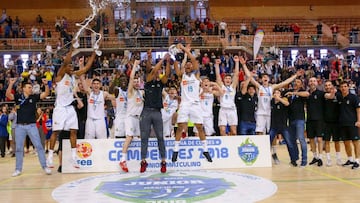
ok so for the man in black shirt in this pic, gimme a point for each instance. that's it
(246, 102)
(331, 124)
(151, 114)
(25, 103)
(279, 116)
(297, 98)
(315, 119)
(349, 120)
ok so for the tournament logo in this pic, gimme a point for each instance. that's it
(174, 187)
(84, 150)
(248, 152)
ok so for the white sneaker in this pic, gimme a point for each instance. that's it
(328, 162)
(16, 173)
(49, 162)
(75, 163)
(339, 162)
(47, 171)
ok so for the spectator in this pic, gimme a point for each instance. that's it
(334, 29)
(319, 30)
(222, 26)
(296, 29)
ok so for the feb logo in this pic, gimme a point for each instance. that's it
(84, 150)
(160, 188)
(248, 152)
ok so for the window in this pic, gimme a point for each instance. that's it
(294, 54)
(310, 53)
(160, 12)
(323, 53)
(7, 57)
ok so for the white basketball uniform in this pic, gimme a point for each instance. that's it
(228, 112)
(120, 116)
(169, 108)
(190, 108)
(206, 102)
(95, 126)
(263, 112)
(135, 105)
(64, 114)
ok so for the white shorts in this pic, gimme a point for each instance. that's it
(167, 127)
(65, 118)
(208, 126)
(119, 126)
(132, 125)
(263, 123)
(95, 129)
(227, 116)
(192, 112)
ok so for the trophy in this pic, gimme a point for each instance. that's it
(176, 52)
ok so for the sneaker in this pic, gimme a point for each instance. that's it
(293, 163)
(59, 169)
(124, 166)
(276, 159)
(47, 171)
(207, 156)
(303, 164)
(16, 173)
(314, 161)
(328, 162)
(143, 166)
(75, 163)
(355, 165)
(348, 163)
(50, 163)
(320, 162)
(163, 167)
(339, 162)
(174, 156)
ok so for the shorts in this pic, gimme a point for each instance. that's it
(95, 129)
(349, 133)
(132, 125)
(314, 129)
(208, 126)
(65, 118)
(227, 116)
(62, 136)
(332, 130)
(119, 127)
(263, 123)
(192, 112)
(48, 135)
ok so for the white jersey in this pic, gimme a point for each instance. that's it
(206, 102)
(264, 99)
(135, 104)
(96, 108)
(169, 105)
(228, 99)
(190, 89)
(121, 103)
(64, 90)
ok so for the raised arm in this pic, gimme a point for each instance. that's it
(132, 76)
(149, 61)
(187, 51)
(248, 73)
(216, 89)
(177, 69)
(46, 93)
(87, 66)
(67, 61)
(152, 74)
(245, 85)
(9, 94)
(235, 78)
(217, 72)
(288, 81)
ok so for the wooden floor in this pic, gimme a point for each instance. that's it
(309, 184)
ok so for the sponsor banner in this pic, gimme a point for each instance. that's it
(104, 155)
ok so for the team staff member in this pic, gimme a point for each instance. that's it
(26, 122)
(246, 102)
(151, 114)
(331, 124)
(349, 120)
(297, 98)
(279, 116)
(315, 120)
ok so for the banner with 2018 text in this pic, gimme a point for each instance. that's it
(104, 155)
